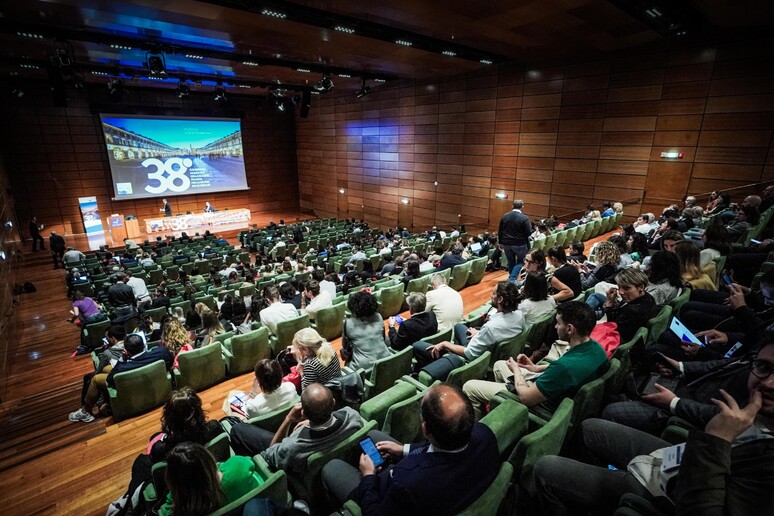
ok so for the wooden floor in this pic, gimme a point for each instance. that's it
(51, 465)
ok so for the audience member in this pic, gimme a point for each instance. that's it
(444, 302)
(513, 235)
(422, 323)
(277, 311)
(317, 361)
(363, 341)
(438, 360)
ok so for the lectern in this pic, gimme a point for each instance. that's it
(117, 228)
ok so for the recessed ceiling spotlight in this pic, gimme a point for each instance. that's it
(346, 30)
(304, 70)
(250, 63)
(29, 66)
(379, 80)
(449, 53)
(120, 47)
(485, 61)
(194, 56)
(344, 75)
(30, 35)
(403, 42)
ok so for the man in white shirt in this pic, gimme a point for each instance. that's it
(325, 285)
(139, 288)
(277, 311)
(315, 299)
(645, 223)
(357, 254)
(444, 302)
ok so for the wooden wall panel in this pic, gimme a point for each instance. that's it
(560, 137)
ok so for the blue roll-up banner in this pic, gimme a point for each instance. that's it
(90, 215)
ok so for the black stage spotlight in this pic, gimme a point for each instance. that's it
(156, 64)
(220, 93)
(363, 91)
(116, 89)
(325, 84)
(183, 90)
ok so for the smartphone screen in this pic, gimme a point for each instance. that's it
(755, 241)
(727, 279)
(369, 448)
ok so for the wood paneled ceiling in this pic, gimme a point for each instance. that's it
(249, 45)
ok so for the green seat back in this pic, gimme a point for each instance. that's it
(404, 420)
(286, 330)
(95, 332)
(246, 350)
(329, 321)
(139, 390)
(156, 313)
(246, 291)
(678, 302)
(510, 347)
(539, 330)
(221, 338)
(390, 300)
(417, 285)
(475, 318)
(489, 502)
(219, 447)
(548, 439)
(200, 368)
(386, 371)
(444, 335)
(377, 407)
(508, 422)
(459, 276)
(591, 396)
(156, 276)
(477, 270)
(623, 353)
(658, 325)
(473, 370)
(185, 305)
(209, 301)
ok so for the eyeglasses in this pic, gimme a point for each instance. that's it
(528, 261)
(762, 369)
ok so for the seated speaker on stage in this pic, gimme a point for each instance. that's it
(167, 209)
(208, 207)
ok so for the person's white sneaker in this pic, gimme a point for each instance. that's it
(80, 415)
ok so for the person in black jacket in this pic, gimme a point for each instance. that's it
(513, 235)
(421, 325)
(57, 245)
(134, 357)
(636, 306)
(35, 235)
(442, 476)
(454, 257)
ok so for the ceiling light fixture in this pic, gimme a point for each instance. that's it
(346, 30)
(344, 75)
(194, 56)
(274, 14)
(449, 53)
(250, 63)
(120, 47)
(100, 73)
(30, 35)
(29, 66)
(304, 70)
(380, 80)
(403, 42)
(485, 61)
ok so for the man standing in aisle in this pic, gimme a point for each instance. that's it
(513, 236)
(35, 234)
(57, 245)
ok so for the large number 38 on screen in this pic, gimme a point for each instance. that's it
(170, 174)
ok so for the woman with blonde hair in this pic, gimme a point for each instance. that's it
(607, 258)
(176, 339)
(317, 361)
(211, 327)
(690, 266)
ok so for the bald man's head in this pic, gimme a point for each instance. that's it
(317, 403)
(448, 418)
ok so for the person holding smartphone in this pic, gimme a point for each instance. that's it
(442, 476)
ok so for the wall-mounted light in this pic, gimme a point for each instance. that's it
(341, 190)
(404, 201)
(435, 183)
(500, 195)
(672, 155)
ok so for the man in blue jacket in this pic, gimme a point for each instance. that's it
(442, 476)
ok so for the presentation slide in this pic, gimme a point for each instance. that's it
(153, 156)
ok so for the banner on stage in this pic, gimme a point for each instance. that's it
(92, 222)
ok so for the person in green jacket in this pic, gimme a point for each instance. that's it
(197, 486)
